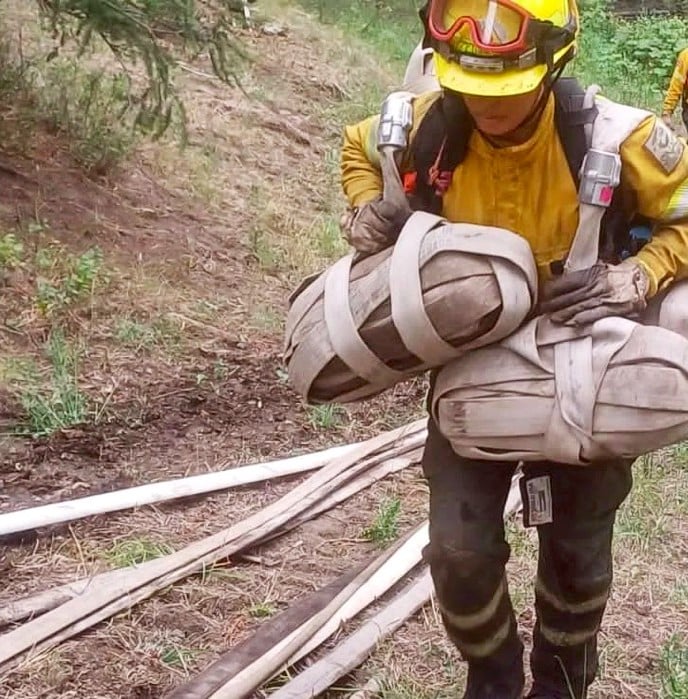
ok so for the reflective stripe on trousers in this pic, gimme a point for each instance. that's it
(468, 552)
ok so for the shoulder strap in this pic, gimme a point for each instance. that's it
(439, 146)
(604, 227)
(573, 121)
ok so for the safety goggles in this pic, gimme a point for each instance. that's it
(494, 26)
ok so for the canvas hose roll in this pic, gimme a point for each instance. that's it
(615, 389)
(367, 323)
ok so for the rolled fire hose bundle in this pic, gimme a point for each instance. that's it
(367, 323)
(669, 309)
(620, 390)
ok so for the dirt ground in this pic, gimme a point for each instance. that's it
(203, 247)
(174, 246)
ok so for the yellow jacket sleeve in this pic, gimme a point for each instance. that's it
(360, 163)
(677, 84)
(360, 166)
(655, 170)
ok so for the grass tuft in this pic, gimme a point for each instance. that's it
(674, 662)
(175, 656)
(75, 283)
(326, 417)
(385, 526)
(11, 251)
(130, 552)
(60, 404)
(262, 610)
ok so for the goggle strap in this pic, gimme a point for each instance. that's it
(489, 22)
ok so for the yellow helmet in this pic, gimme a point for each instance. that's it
(500, 47)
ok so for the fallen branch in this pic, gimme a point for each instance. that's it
(212, 329)
(105, 600)
(282, 126)
(57, 513)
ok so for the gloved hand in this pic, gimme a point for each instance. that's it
(375, 225)
(579, 298)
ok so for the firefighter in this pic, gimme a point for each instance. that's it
(486, 149)
(677, 90)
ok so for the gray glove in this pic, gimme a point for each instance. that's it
(579, 298)
(375, 225)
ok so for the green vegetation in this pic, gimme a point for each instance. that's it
(65, 96)
(392, 27)
(262, 610)
(77, 281)
(402, 688)
(57, 403)
(658, 496)
(132, 30)
(326, 417)
(61, 278)
(385, 526)
(11, 251)
(131, 552)
(58, 80)
(675, 669)
(631, 60)
(87, 107)
(145, 335)
(178, 657)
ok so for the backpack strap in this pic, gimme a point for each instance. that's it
(439, 146)
(573, 119)
(599, 179)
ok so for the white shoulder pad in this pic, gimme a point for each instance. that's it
(614, 124)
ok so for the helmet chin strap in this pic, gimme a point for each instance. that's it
(553, 74)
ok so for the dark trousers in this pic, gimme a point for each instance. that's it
(468, 552)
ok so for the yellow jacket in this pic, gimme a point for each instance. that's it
(677, 85)
(528, 189)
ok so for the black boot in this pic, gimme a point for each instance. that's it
(536, 693)
(497, 677)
